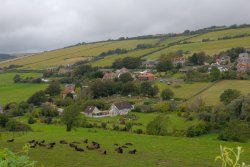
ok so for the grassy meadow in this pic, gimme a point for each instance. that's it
(153, 151)
(17, 92)
(212, 95)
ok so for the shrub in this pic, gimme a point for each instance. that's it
(138, 131)
(158, 126)
(129, 126)
(116, 127)
(31, 120)
(197, 130)
(104, 125)
(167, 94)
(13, 125)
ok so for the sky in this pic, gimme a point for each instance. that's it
(39, 25)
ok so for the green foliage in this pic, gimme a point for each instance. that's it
(3, 120)
(48, 110)
(164, 64)
(158, 126)
(71, 116)
(11, 159)
(148, 89)
(215, 74)
(167, 94)
(128, 126)
(53, 89)
(13, 125)
(37, 98)
(162, 107)
(197, 130)
(198, 58)
(17, 78)
(229, 95)
(236, 130)
(126, 77)
(128, 62)
(31, 120)
(230, 157)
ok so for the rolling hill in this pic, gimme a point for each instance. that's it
(215, 43)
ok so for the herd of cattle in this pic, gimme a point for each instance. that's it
(89, 145)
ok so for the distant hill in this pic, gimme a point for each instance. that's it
(211, 40)
(5, 56)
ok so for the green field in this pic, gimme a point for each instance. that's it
(212, 95)
(73, 54)
(219, 34)
(11, 92)
(210, 48)
(152, 150)
(186, 90)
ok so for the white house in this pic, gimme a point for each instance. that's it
(92, 111)
(121, 108)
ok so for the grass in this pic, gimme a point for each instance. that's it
(210, 48)
(11, 92)
(153, 151)
(219, 34)
(186, 90)
(70, 55)
(212, 95)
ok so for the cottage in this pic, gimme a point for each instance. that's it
(92, 111)
(121, 108)
(146, 77)
(121, 71)
(178, 60)
(69, 89)
(149, 64)
(243, 63)
(109, 76)
(223, 60)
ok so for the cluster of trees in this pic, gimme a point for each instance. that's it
(128, 62)
(17, 79)
(198, 58)
(144, 46)
(232, 37)
(105, 88)
(10, 124)
(112, 52)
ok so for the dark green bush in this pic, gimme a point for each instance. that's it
(197, 130)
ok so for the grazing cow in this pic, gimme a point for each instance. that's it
(96, 145)
(90, 147)
(129, 144)
(10, 140)
(42, 145)
(63, 142)
(132, 151)
(116, 144)
(124, 146)
(85, 141)
(43, 141)
(79, 149)
(32, 141)
(72, 145)
(52, 144)
(104, 152)
(33, 146)
(75, 142)
(119, 150)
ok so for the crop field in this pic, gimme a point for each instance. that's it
(173, 39)
(11, 92)
(219, 34)
(153, 151)
(68, 55)
(184, 90)
(212, 95)
(210, 48)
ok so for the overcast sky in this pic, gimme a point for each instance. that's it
(37, 25)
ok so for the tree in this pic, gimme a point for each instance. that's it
(198, 58)
(165, 63)
(126, 77)
(158, 126)
(215, 74)
(17, 78)
(147, 89)
(53, 89)
(37, 98)
(128, 62)
(71, 116)
(229, 95)
(167, 94)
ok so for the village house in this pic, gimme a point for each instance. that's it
(243, 63)
(109, 76)
(92, 111)
(121, 108)
(178, 60)
(116, 74)
(220, 67)
(121, 71)
(146, 77)
(69, 89)
(223, 60)
(149, 64)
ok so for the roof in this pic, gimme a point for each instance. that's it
(123, 105)
(146, 75)
(90, 109)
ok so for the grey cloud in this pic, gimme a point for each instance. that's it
(36, 25)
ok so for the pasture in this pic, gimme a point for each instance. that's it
(153, 151)
(17, 92)
(212, 95)
(70, 55)
(210, 48)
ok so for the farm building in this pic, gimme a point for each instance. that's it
(146, 77)
(92, 111)
(149, 64)
(243, 63)
(178, 60)
(121, 108)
